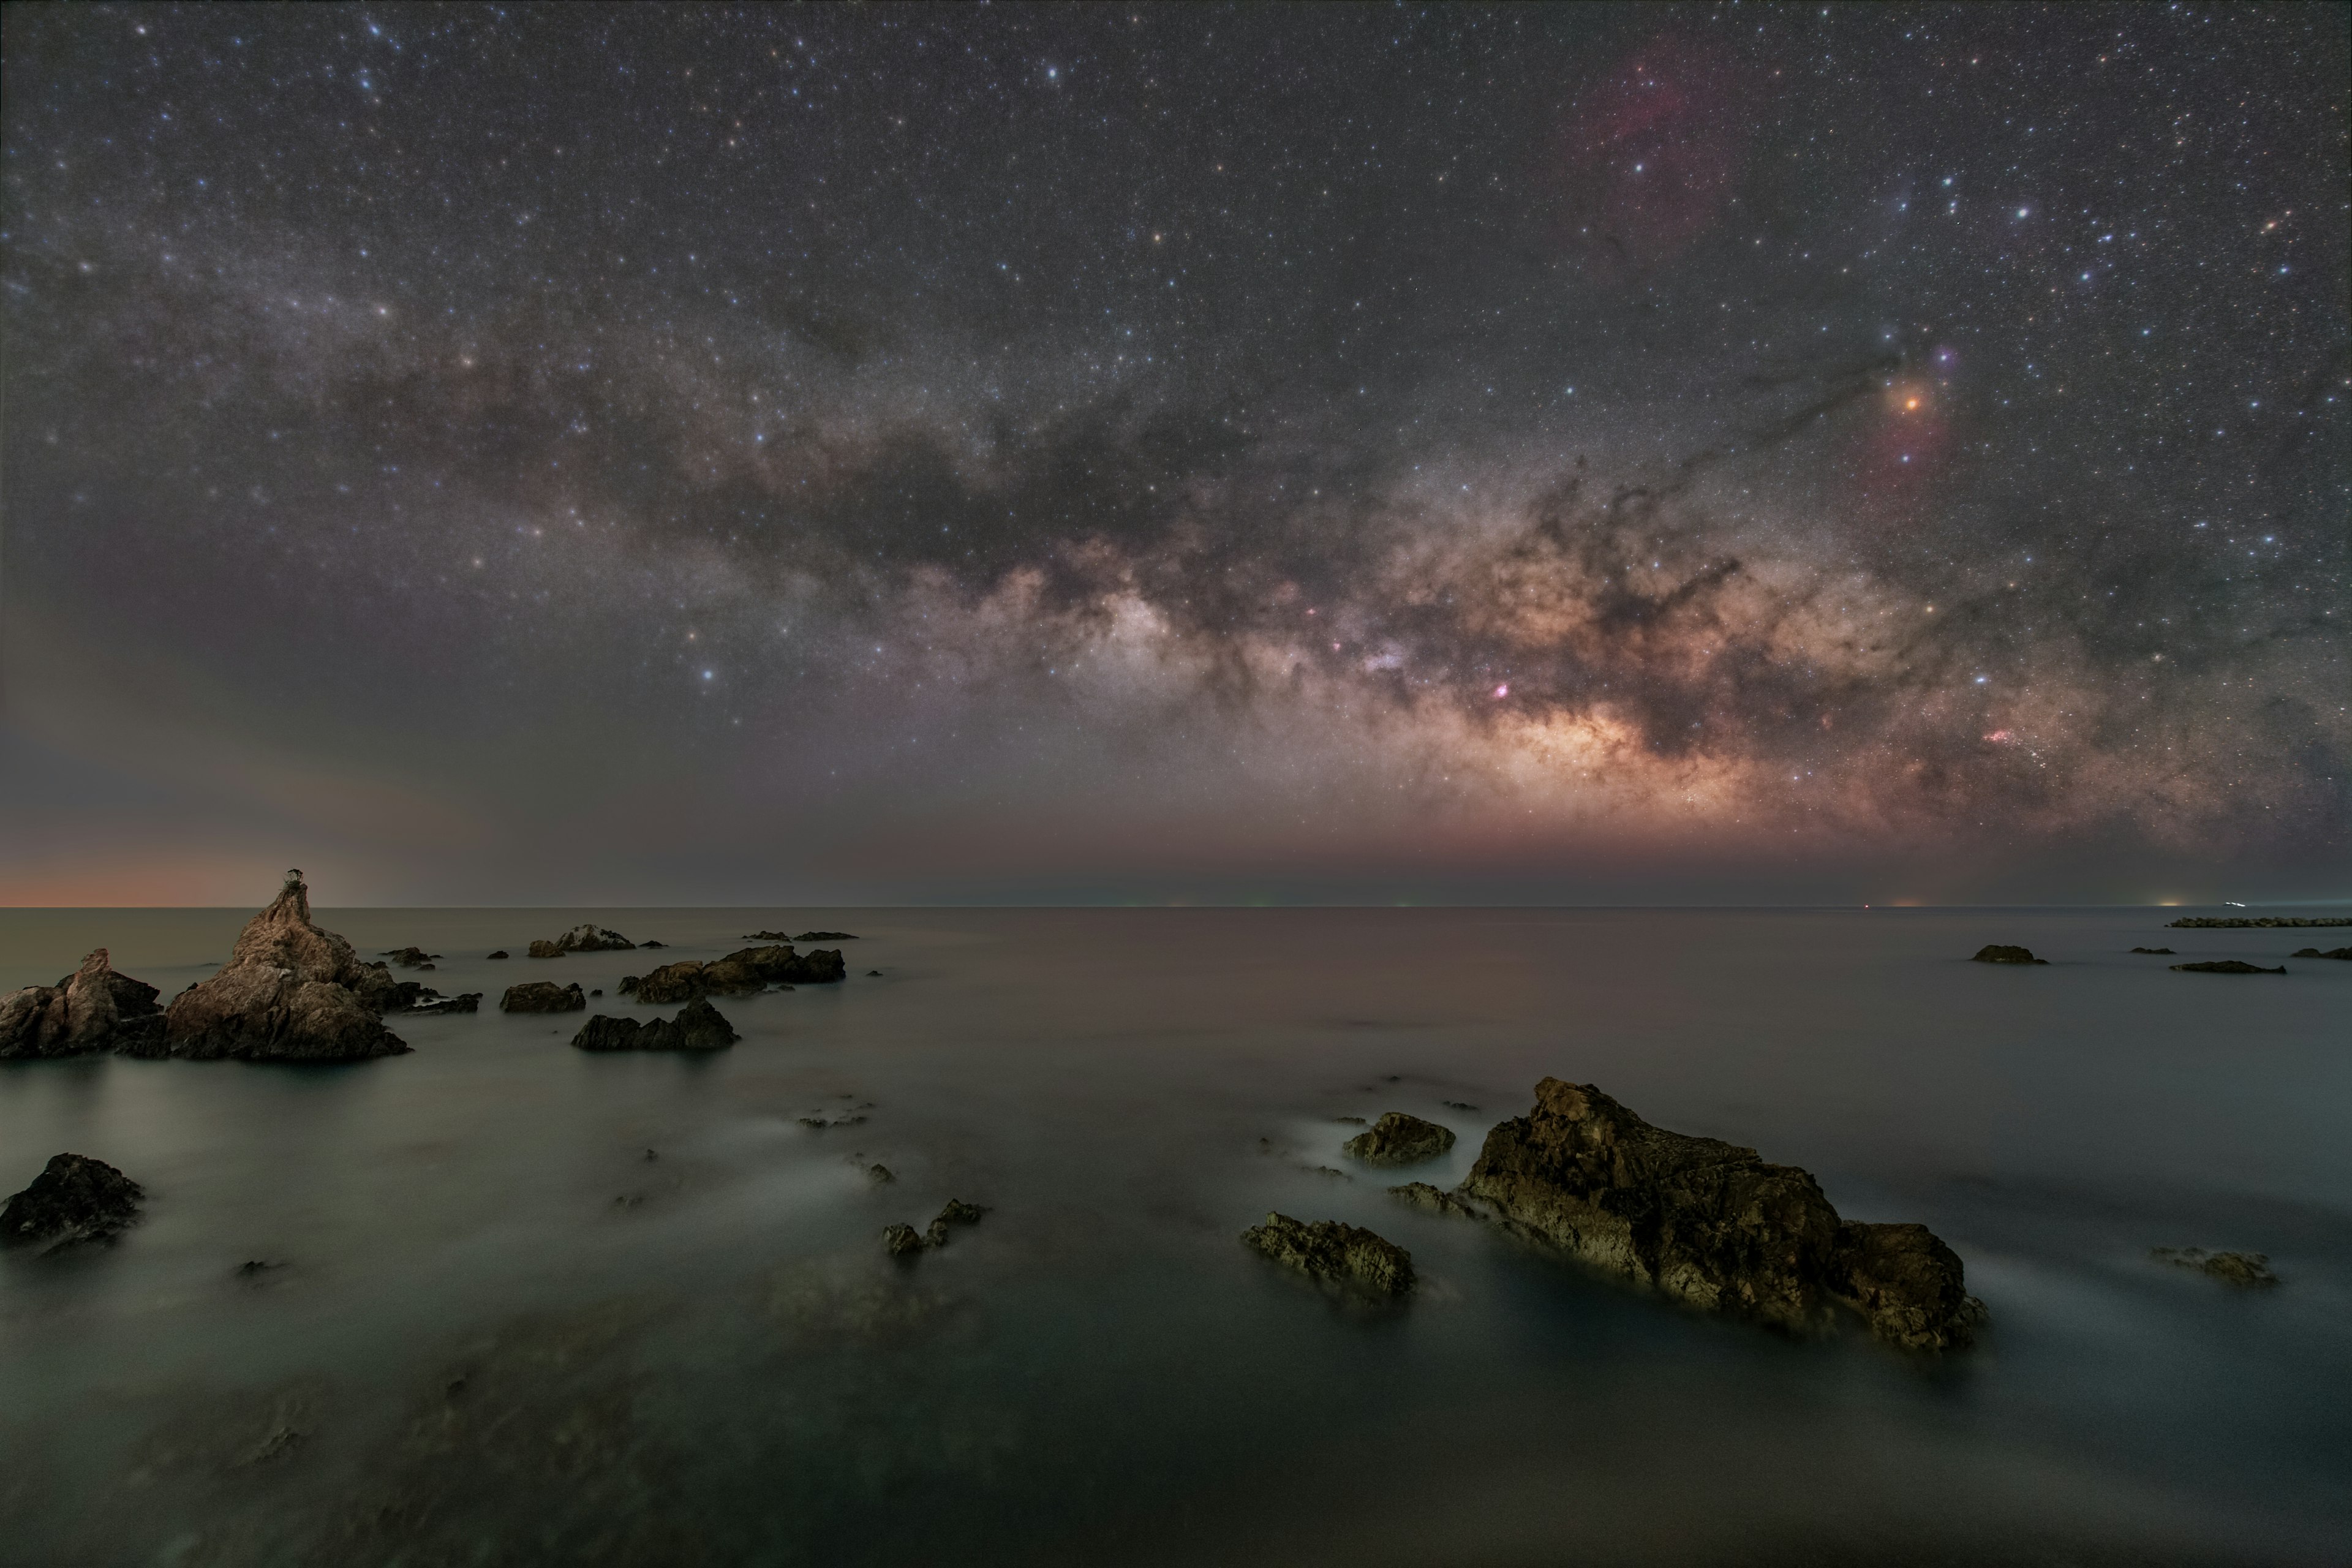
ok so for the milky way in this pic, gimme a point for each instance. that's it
(691, 453)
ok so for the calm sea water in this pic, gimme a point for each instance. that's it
(497, 1332)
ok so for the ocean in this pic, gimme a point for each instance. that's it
(523, 1304)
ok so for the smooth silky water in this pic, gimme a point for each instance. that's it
(496, 1333)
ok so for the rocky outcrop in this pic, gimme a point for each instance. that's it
(289, 992)
(2344, 952)
(738, 973)
(1998, 953)
(2154, 952)
(1436, 1200)
(73, 1199)
(544, 996)
(583, 939)
(1711, 1224)
(901, 1240)
(1396, 1139)
(2228, 966)
(766, 936)
(1335, 1253)
(2239, 922)
(501, 953)
(824, 936)
(699, 1027)
(2248, 1268)
(409, 957)
(92, 1009)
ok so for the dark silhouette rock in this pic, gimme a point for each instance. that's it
(470, 1002)
(653, 944)
(766, 936)
(744, 970)
(289, 992)
(92, 1009)
(1710, 1224)
(2248, 1268)
(501, 953)
(74, 1198)
(409, 957)
(958, 1212)
(699, 1027)
(879, 1174)
(1396, 1139)
(583, 939)
(1997, 953)
(873, 975)
(901, 1241)
(824, 936)
(2242, 923)
(544, 996)
(2344, 952)
(2228, 966)
(2154, 952)
(1332, 1252)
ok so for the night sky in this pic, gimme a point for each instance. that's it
(675, 455)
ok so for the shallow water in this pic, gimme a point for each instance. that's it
(498, 1333)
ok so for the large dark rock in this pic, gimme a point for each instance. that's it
(583, 939)
(699, 1027)
(2344, 952)
(1396, 1139)
(92, 1009)
(1711, 1224)
(1332, 1252)
(1997, 953)
(73, 1199)
(2228, 966)
(740, 972)
(544, 996)
(289, 992)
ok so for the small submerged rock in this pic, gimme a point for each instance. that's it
(409, 957)
(827, 936)
(873, 975)
(501, 953)
(2000, 953)
(2154, 952)
(699, 1027)
(74, 1199)
(1396, 1139)
(653, 944)
(2343, 953)
(583, 939)
(92, 1009)
(544, 996)
(879, 1174)
(430, 1003)
(898, 1240)
(1437, 1200)
(901, 1241)
(2228, 966)
(1331, 1252)
(2249, 1269)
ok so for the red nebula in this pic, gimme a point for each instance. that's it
(1647, 158)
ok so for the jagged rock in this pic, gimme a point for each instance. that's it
(74, 1198)
(2250, 1268)
(2239, 922)
(1711, 1224)
(289, 992)
(2156, 952)
(2228, 966)
(2344, 952)
(823, 936)
(544, 996)
(409, 957)
(899, 1240)
(470, 1002)
(699, 1027)
(1437, 1200)
(92, 1009)
(1997, 953)
(766, 936)
(1333, 1253)
(501, 953)
(1396, 1139)
(958, 1212)
(583, 939)
(743, 971)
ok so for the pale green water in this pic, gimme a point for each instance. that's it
(727, 1370)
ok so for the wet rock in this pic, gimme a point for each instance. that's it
(824, 936)
(741, 973)
(74, 1199)
(1396, 1139)
(1710, 1224)
(2248, 1268)
(544, 996)
(1437, 1200)
(2157, 951)
(501, 953)
(409, 957)
(92, 1009)
(1333, 1253)
(289, 992)
(583, 939)
(899, 1240)
(1998, 953)
(2228, 966)
(879, 1174)
(2344, 952)
(469, 1002)
(699, 1027)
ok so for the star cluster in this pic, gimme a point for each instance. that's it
(923, 449)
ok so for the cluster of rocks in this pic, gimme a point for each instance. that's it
(744, 970)
(409, 957)
(2001, 953)
(903, 1240)
(699, 1027)
(2343, 953)
(584, 938)
(74, 1199)
(289, 992)
(2242, 923)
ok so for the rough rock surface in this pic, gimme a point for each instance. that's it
(289, 992)
(742, 971)
(73, 1199)
(1998, 953)
(899, 1240)
(92, 1009)
(544, 996)
(1331, 1252)
(2228, 966)
(2237, 1267)
(1437, 1200)
(1711, 1224)
(1396, 1139)
(583, 939)
(699, 1027)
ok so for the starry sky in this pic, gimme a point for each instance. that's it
(695, 455)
